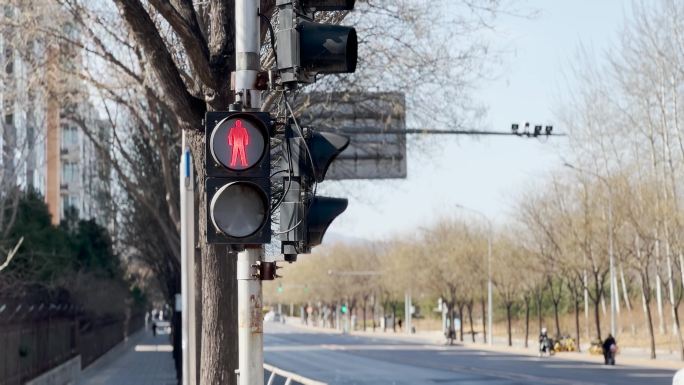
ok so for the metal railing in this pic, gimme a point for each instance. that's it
(290, 378)
(37, 334)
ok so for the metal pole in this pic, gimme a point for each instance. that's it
(613, 291)
(247, 53)
(187, 204)
(407, 312)
(250, 320)
(490, 338)
(337, 317)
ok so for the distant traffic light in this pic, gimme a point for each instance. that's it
(536, 132)
(306, 48)
(344, 309)
(280, 288)
(238, 182)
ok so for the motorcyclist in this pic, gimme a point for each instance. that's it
(609, 350)
(543, 342)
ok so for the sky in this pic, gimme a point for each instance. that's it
(489, 174)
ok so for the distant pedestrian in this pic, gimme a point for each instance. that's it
(154, 329)
(609, 350)
(399, 323)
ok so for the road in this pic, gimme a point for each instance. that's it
(345, 359)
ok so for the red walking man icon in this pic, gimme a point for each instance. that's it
(238, 139)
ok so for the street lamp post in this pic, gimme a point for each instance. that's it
(490, 340)
(611, 257)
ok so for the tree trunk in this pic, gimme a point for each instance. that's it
(219, 353)
(373, 315)
(470, 319)
(460, 326)
(597, 316)
(645, 298)
(577, 319)
(508, 318)
(452, 328)
(484, 320)
(678, 332)
(527, 320)
(394, 318)
(364, 313)
(384, 318)
(556, 318)
(625, 294)
(538, 296)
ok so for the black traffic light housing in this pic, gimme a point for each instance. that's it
(238, 184)
(322, 212)
(305, 218)
(306, 48)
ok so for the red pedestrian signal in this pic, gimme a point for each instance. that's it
(238, 139)
(238, 183)
(239, 142)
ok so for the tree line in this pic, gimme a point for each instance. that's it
(618, 192)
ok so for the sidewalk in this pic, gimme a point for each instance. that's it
(632, 356)
(141, 360)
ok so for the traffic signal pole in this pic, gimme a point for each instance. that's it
(250, 321)
(188, 288)
(250, 318)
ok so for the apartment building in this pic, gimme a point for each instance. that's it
(41, 99)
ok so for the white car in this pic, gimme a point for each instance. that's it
(162, 327)
(272, 316)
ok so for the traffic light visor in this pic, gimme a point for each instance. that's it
(327, 48)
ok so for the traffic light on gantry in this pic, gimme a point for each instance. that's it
(306, 48)
(238, 185)
(305, 217)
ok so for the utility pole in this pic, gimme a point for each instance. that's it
(250, 320)
(407, 311)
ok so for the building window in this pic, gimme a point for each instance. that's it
(70, 205)
(69, 137)
(69, 172)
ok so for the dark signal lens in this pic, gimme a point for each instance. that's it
(239, 209)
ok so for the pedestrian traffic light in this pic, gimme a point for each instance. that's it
(238, 184)
(304, 217)
(306, 48)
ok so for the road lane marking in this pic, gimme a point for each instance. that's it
(153, 348)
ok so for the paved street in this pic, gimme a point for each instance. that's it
(143, 360)
(344, 359)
